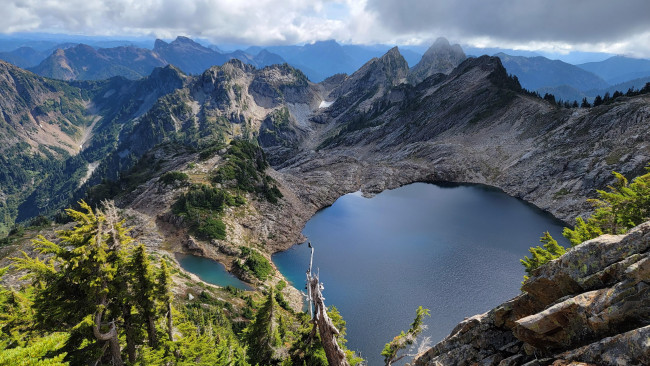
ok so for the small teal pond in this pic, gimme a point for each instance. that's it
(210, 271)
(454, 249)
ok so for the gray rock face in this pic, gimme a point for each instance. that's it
(225, 248)
(372, 80)
(441, 58)
(193, 246)
(591, 305)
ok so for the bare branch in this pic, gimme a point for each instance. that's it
(327, 330)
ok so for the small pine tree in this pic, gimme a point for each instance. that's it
(144, 291)
(619, 208)
(403, 340)
(163, 293)
(582, 231)
(262, 334)
(540, 255)
(598, 100)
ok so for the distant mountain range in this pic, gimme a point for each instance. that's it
(84, 62)
(320, 60)
(23, 57)
(574, 82)
(619, 69)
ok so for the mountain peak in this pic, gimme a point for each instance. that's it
(392, 53)
(394, 63)
(185, 40)
(159, 43)
(441, 57)
(441, 42)
(493, 67)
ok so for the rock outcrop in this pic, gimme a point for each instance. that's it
(591, 305)
(440, 58)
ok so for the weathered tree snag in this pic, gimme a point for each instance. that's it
(327, 330)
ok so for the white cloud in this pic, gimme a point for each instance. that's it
(595, 25)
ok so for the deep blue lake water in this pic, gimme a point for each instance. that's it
(453, 249)
(209, 271)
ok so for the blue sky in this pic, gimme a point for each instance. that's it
(548, 26)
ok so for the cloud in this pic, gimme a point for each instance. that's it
(591, 25)
(575, 21)
(251, 21)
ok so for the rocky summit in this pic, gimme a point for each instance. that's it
(441, 57)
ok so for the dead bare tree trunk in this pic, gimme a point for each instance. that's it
(327, 330)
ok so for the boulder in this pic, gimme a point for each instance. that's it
(193, 246)
(226, 249)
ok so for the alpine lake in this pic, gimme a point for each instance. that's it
(451, 248)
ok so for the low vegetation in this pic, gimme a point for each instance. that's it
(255, 263)
(244, 170)
(173, 177)
(202, 206)
(619, 208)
(124, 311)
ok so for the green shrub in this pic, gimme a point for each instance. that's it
(621, 207)
(256, 263)
(202, 205)
(174, 176)
(245, 170)
(211, 228)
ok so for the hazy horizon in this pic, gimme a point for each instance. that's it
(45, 41)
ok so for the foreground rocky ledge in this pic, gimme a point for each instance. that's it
(592, 305)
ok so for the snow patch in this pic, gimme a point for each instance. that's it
(325, 104)
(89, 172)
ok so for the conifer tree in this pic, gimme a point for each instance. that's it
(262, 334)
(144, 291)
(90, 283)
(403, 340)
(78, 284)
(551, 250)
(598, 100)
(619, 208)
(163, 293)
